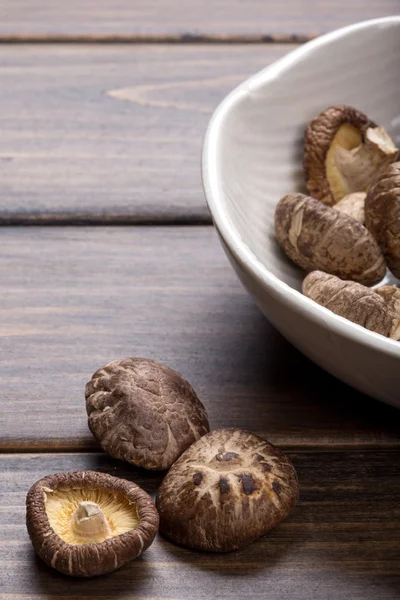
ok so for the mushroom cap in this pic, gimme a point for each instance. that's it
(351, 300)
(143, 412)
(318, 140)
(391, 296)
(382, 215)
(319, 237)
(226, 490)
(50, 505)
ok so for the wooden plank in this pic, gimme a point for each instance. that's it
(110, 134)
(214, 18)
(74, 299)
(342, 541)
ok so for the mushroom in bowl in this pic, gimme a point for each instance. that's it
(252, 157)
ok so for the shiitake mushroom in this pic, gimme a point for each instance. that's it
(318, 237)
(382, 215)
(226, 490)
(144, 412)
(353, 205)
(344, 152)
(357, 303)
(86, 523)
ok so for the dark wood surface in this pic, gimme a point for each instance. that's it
(76, 298)
(112, 133)
(341, 541)
(106, 132)
(180, 20)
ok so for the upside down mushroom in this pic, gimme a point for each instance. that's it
(86, 523)
(344, 152)
(144, 412)
(226, 490)
(318, 237)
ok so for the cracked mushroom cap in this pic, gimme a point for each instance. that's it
(391, 296)
(228, 489)
(355, 302)
(319, 237)
(382, 215)
(86, 523)
(143, 412)
(344, 152)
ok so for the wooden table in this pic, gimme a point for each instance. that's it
(103, 105)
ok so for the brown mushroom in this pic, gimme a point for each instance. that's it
(344, 152)
(86, 523)
(228, 489)
(391, 296)
(353, 206)
(382, 215)
(143, 412)
(351, 300)
(318, 237)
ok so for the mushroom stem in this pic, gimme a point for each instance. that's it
(353, 205)
(88, 521)
(360, 166)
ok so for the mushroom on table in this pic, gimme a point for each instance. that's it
(226, 490)
(85, 523)
(143, 412)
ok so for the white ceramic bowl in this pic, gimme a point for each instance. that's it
(252, 156)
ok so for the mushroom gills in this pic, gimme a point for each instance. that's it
(347, 137)
(84, 516)
(354, 161)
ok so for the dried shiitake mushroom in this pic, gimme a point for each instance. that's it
(86, 523)
(228, 489)
(344, 152)
(382, 215)
(353, 205)
(318, 237)
(353, 301)
(143, 412)
(391, 295)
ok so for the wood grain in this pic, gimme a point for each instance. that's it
(73, 299)
(110, 134)
(188, 18)
(342, 541)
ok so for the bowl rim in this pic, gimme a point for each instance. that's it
(226, 229)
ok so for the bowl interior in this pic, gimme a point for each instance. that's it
(259, 142)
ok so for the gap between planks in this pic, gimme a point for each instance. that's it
(184, 38)
(83, 446)
(69, 220)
